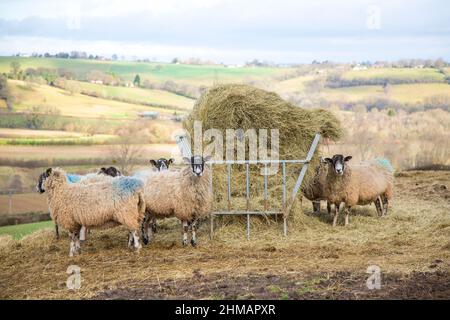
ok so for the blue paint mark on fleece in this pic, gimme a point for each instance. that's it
(385, 163)
(127, 186)
(73, 178)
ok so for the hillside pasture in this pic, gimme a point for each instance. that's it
(400, 74)
(404, 93)
(136, 95)
(28, 95)
(158, 72)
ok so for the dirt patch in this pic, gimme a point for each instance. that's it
(339, 285)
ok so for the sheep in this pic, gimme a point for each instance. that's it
(118, 201)
(357, 185)
(84, 179)
(185, 194)
(315, 191)
(162, 164)
(111, 171)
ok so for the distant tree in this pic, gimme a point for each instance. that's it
(15, 69)
(137, 81)
(4, 93)
(175, 60)
(114, 57)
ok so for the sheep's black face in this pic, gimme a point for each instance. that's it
(40, 186)
(197, 164)
(338, 163)
(111, 171)
(162, 164)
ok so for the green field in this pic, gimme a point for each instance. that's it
(21, 230)
(136, 95)
(159, 72)
(28, 95)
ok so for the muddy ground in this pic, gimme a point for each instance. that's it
(339, 285)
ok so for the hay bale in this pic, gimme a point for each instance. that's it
(237, 106)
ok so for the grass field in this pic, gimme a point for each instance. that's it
(137, 95)
(76, 105)
(315, 260)
(159, 72)
(405, 93)
(21, 230)
(422, 75)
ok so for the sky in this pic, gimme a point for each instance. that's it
(230, 31)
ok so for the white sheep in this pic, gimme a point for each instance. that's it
(103, 175)
(358, 184)
(98, 205)
(185, 194)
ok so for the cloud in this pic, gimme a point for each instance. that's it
(243, 26)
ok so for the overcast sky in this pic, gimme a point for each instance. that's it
(230, 31)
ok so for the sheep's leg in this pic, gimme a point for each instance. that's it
(347, 212)
(154, 225)
(130, 240)
(83, 233)
(385, 205)
(336, 214)
(56, 231)
(194, 232)
(329, 207)
(316, 207)
(185, 232)
(379, 207)
(74, 243)
(135, 236)
(146, 230)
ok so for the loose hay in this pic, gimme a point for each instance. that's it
(236, 106)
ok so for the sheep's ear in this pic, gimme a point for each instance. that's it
(49, 171)
(328, 160)
(348, 158)
(187, 160)
(153, 162)
(171, 160)
(207, 158)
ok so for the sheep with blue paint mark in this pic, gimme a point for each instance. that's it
(113, 202)
(103, 175)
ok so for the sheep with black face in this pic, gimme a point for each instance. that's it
(185, 194)
(162, 164)
(118, 201)
(359, 184)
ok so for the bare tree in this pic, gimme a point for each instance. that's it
(125, 153)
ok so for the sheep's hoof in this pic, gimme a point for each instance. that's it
(145, 240)
(193, 243)
(184, 242)
(154, 228)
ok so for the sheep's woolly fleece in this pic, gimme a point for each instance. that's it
(178, 193)
(360, 184)
(96, 204)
